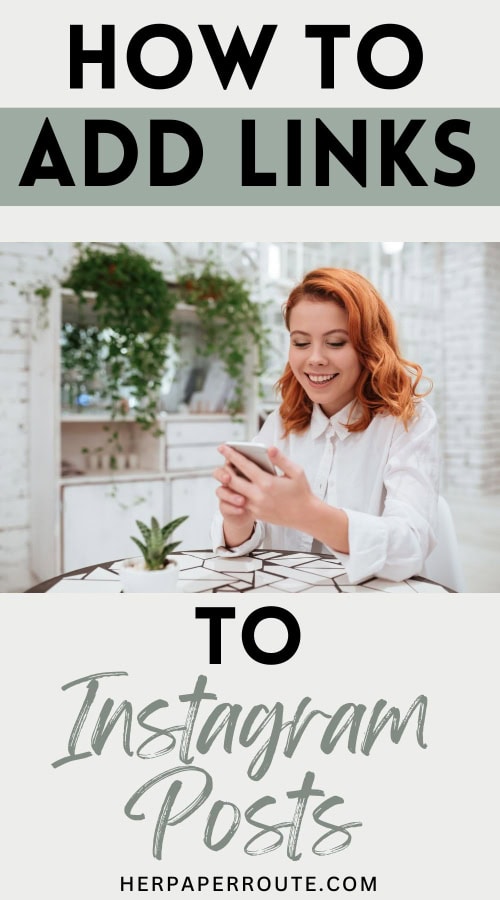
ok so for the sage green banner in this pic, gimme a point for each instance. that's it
(250, 157)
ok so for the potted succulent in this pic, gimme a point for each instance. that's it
(154, 571)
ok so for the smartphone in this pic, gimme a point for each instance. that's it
(256, 453)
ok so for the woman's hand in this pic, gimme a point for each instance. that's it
(238, 520)
(279, 500)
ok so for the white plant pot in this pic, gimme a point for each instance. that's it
(136, 579)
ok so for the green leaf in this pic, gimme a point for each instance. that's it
(171, 547)
(142, 547)
(143, 528)
(155, 549)
(170, 527)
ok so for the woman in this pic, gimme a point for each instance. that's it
(355, 441)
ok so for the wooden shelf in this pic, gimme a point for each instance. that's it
(104, 418)
(125, 477)
(110, 477)
(93, 418)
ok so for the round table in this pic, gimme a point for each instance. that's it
(263, 571)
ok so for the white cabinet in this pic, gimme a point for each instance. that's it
(199, 429)
(98, 519)
(86, 495)
(196, 494)
(193, 444)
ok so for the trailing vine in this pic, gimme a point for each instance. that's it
(125, 342)
(43, 292)
(132, 307)
(231, 322)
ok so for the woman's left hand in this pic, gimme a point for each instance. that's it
(279, 500)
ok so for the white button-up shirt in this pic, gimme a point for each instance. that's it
(385, 479)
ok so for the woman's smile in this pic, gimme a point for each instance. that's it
(320, 379)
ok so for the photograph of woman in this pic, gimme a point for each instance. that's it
(363, 374)
(354, 438)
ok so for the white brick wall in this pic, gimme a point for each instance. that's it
(471, 383)
(448, 312)
(22, 267)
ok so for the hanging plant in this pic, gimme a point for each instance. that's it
(80, 350)
(231, 322)
(124, 344)
(132, 310)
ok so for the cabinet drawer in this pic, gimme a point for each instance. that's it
(206, 431)
(205, 456)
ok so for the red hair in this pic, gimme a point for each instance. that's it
(387, 383)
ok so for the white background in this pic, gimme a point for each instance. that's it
(429, 816)
(459, 43)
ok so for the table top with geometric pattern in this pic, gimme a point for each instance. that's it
(263, 571)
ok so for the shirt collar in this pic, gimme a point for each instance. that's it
(336, 424)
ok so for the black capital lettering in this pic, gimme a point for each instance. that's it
(294, 153)
(443, 143)
(94, 128)
(413, 66)
(159, 128)
(394, 153)
(249, 176)
(47, 143)
(136, 46)
(327, 35)
(292, 642)
(328, 144)
(237, 53)
(105, 56)
(215, 614)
